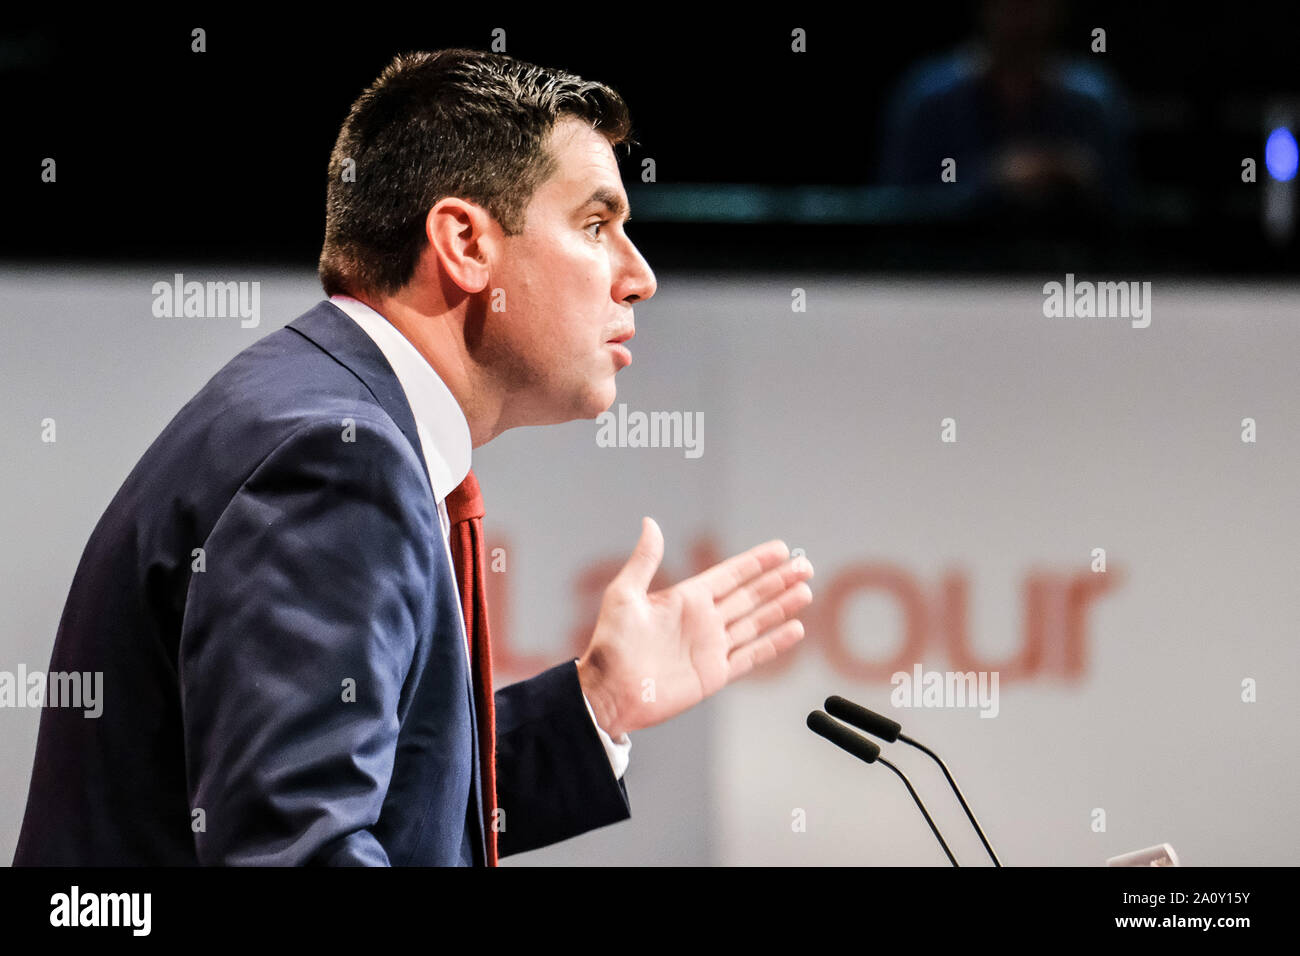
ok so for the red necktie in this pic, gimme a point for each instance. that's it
(465, 509)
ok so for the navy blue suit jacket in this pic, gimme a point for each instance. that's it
(297, 692)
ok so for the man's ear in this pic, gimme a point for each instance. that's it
(462, 236)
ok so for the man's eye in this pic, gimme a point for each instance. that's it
(596, 225)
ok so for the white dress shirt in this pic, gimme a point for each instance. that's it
(445, 441)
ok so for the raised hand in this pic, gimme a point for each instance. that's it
(654, 655)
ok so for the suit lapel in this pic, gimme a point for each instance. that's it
(334, 331)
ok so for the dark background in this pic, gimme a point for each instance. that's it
(221, 156)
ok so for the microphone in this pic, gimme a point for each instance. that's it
(869, 752)
(865, 750)
(890, 731)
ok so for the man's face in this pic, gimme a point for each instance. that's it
(569, 281)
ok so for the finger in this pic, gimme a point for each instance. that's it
(646, 556)
(783, 608)
(745, 658)
(726, 576)
(758, 590)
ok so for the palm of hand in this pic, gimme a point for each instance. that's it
(656, 654)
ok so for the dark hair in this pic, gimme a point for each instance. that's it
(454, 122)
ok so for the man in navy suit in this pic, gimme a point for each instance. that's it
(270, 596)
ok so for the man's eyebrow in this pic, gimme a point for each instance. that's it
(611, 200)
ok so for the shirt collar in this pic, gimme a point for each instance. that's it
(439, 420)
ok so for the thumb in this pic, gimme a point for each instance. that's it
(646, 556)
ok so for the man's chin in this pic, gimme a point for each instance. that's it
(589, 405)
(602, 399)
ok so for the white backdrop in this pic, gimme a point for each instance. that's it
(823, 427)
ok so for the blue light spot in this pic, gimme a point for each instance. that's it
(1280, 155)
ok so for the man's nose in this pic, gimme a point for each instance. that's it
(639, 283)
